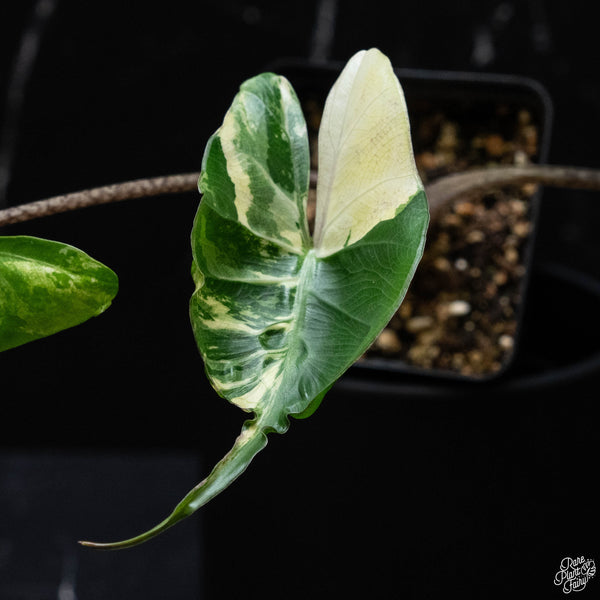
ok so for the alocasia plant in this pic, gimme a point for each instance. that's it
(279, 315)
(48, 286)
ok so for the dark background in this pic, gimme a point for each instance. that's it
(414, 488)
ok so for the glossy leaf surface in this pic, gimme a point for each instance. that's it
(277, 318)
(47, 286)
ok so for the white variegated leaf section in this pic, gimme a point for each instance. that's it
(367, 172)
(245, 142)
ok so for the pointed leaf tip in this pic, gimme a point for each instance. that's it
(248, 444)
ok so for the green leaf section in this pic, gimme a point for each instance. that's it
(277, 321)
(261, 151)
(47, 286)
(272, 341)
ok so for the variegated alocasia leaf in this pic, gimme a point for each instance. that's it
(277, 316)
(47, 286)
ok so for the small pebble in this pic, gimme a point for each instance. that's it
(458, 360)
(465, 209)
(530, 188)
(460, 264)
(494, 145)
(506, 342)
(530, 139)
(500, 277)
(475, 237)
(452, 220)
(419, 323)
(448, 136)
(475, 357)
(521, 228)
(388, 341)
(511, 255)
(520, 158)
(459, 308)
(405, 310)
(441, 263)
(518, 207)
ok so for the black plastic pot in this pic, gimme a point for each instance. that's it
(474, 101)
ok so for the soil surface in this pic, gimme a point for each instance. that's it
(462, 309)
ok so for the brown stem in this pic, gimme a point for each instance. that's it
(450, 187)
(139, 188)
(439, 193)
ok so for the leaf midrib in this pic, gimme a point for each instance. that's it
(295, 339)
